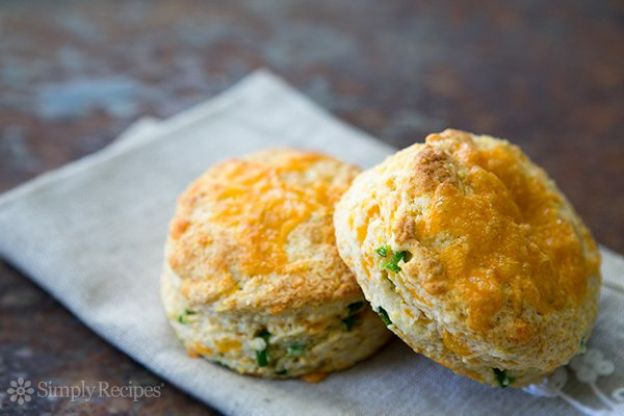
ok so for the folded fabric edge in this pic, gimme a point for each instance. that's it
(209, 108)
(137, 132)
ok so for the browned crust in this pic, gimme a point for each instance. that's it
(256, 233)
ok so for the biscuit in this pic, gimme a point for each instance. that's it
(473, 257)
(252, 278)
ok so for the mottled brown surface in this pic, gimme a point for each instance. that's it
(548, 75)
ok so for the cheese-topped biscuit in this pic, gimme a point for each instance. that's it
(473, 256)
(252, 276)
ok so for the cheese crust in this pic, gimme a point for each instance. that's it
(487, 268)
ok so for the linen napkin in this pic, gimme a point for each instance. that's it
(92, 235)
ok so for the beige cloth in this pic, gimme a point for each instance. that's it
(92, 233)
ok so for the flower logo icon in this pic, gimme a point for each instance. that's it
(20, 391)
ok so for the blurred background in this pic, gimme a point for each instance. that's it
(74, 74)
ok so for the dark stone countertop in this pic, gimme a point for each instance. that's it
(73, 74)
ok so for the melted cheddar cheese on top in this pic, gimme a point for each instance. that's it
(257, 232)
(496, 227)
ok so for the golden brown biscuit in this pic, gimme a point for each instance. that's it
(252, 276)
(473, 256)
